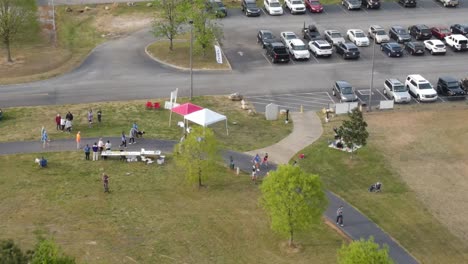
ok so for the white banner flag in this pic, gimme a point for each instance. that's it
(219, 55)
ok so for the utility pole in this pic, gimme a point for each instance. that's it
(369, 108)
(191, 59)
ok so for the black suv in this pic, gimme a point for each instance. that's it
(459, 29)
(371, 4)
(311, 33)
(264, 37)
(277, 52)
(450, 86)
(348, 50)
(415, 48)
(407, 3)
(420, 32)
(399, 34)
(250, 8)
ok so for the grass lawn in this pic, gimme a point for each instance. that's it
(180, 55)
(398, 209)
(250, 132)
(150, 216)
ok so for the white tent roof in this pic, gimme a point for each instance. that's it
(205, 117)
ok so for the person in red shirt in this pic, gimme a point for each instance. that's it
(57, 121)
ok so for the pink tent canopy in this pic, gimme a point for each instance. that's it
(186, 109)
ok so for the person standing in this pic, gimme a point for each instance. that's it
(42, 132)
(105, 181)
(68, 125)
(95, 151)
(57, 122)
(339, 216)
(69, 116)
(99, 115)
(100, 145)
(253, 177)
(62, 123)
(45, 139)
(265, 160)
(78, 140)
(107, 147)
(87, 150)
(132, 135)
(90, 118)
(256, 161)
(123, 140)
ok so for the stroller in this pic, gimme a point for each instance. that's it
(376, 187)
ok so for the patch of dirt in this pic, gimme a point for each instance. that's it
(429, 150)
(121, 25)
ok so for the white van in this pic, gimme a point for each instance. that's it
(273, 7)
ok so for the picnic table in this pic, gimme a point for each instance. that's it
(132, 154)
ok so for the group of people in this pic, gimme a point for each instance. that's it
(257, 163)
(134, 133)
(97, 148)
(64, 123)
(91, 117)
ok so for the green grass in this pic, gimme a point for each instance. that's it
(150, 216)
(397, 209)
(249, 132)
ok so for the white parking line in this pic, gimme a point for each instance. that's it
(314, 57)
(329, 96)
(264, 56)
(441, 99)
(264, 12)
(342, 8)
(364, 9)
(383, 96)
(415, 99)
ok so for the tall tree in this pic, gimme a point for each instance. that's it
(48, 252)
(363, 252)
(16, 16)
(169, 21)
(198, 155)
(294, 199)
(354, 130)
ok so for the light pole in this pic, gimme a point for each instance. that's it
(369, 108)
(191, 66)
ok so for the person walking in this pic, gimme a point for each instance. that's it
(57, 122)
(253, 177)
(339, 216)
(42, 132)
(95, 151)
(45, 139)
(105, 181)
(78, 140)
(90, 118)
(99, 116)
(265, 160)
(256, 161)
(87, 150)
(132, 135)
(123, 140)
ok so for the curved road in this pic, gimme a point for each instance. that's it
(120, 69)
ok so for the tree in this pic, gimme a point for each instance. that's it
(168, 24)
(353, 131)
(16, 17)
(10, 253)
(198, 155)
(48, 252)
(363, 252)
(295, 200)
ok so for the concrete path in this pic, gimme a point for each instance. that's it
(307, 129)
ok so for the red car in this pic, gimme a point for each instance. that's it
(440, 32)
(314, 6)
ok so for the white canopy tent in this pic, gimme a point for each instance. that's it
(206, 117)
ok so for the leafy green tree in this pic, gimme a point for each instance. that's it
(169, 21)
(294, 199)
(354, 130)
(47, 252)
(363, 252)
(197, 155)
(17, 17)
(10, 253)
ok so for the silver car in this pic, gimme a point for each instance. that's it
(344, 91)
(396, 91)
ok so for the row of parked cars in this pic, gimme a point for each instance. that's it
(434, 40)
(415, 86)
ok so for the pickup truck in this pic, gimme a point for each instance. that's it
(295, 6)
(311, 33)
(457, 42)
(447, 3)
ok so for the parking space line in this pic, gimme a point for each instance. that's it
(343, 9)
(383, 96)
(364, 9)
(287, 94)
(306, 100)
(264, 56)
(278, 102)
(284, 106)
(314, 58)
(291, 59)
(329, 96)
(441, 99)
(264, 12)
(294, 101)
(415, 99)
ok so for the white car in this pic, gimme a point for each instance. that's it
(435, 46)
(286, 36)
(295, 6)
(273, 7)
(298, 50)
(320, 47)
(358, 37)
(378, 33)
(420, 88)
(334, 36)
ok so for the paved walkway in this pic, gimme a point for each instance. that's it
(307, 129)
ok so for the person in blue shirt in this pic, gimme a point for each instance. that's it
(87, 150)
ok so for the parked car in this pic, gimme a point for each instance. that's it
(333, 36)
(449, 86)
(314, 6)
(295, 6)
(286, 36)
(344, 91)
(298, 50)
(352, 4)
(415, 48)
(457, 42)
(371, 4)
(378, 34)
(217, 7)
(392, 49)
(440, 32)
(399, 34)
(447, 3)
(420, 88)
(407, 3)
(273, 7)
(420, 32)
(320, 48)
(358, 37)
(250, 8)
(396, 91)
(348, 50)
(311, 33)
(459, 29)
(264, 37)
(277, 52)
(435, 46)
